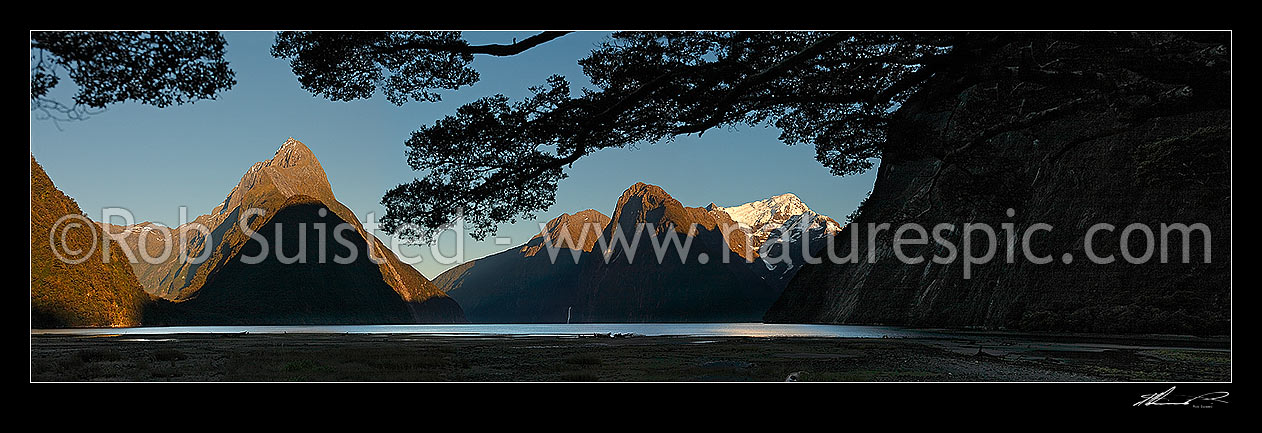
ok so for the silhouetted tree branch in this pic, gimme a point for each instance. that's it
(462, 47)
(496, 161)
(344, 66)
(154, 68)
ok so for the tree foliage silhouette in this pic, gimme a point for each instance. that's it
(496, 160)
(344, 66)
(154, 68)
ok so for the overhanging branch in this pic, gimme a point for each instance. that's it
(488, 49)
(725, 104)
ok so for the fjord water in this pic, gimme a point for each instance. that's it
(562, 329)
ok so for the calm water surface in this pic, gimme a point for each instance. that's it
(646, 329)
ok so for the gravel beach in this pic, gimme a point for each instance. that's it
(407, 357)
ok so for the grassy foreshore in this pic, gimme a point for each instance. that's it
(401, 357)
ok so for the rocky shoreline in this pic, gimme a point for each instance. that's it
(966, 357)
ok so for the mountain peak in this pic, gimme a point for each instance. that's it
(758, 213)
(579, 231)
(644, 202)
(589, 215)
(785, 198)
(292, 153)
(284, 187)
(641, 200)
(292, 170)
(645, 190)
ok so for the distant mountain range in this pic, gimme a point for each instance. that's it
(582, 267)
(294, 193)
(722, 276)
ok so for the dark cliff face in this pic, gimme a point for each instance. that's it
(1068, 130)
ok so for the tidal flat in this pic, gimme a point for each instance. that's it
(965, 357)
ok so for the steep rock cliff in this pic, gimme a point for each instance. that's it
(1068, 130)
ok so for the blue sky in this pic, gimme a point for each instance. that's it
(151, 161)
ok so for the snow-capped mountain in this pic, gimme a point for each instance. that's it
(764, 219)
(758, 213)
(777, 227)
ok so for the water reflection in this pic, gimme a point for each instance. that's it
(647, 329)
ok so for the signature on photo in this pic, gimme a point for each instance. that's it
(1168, 398)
